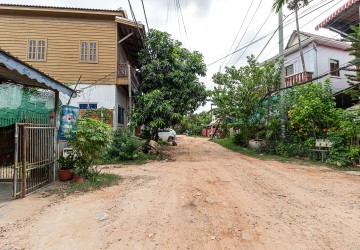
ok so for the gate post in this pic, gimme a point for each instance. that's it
(23, 159)
(16, 157)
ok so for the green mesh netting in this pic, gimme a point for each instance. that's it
(25, 104)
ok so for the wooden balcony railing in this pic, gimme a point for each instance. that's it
(123, 72)
(297, 78)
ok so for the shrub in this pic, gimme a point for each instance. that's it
(91, 138)
(290, 148)
(345, 149)
(240, 139)
(124, 146)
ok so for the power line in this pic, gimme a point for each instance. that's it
(305, 23)
(147, 24)
(137, 24)
(261, 38)
(252, 18)
(254, 36)
(285, 25)
(167, 15)
(242, 24)
(266, 35)
(325, 38)
(182, 18)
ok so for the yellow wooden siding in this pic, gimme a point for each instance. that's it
(63, 46)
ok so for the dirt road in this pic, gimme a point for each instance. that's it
(207, 198)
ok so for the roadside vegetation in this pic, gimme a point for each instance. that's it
(288, 123)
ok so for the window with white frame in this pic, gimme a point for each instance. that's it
(89, 51)
(36, 50)
(334, 67)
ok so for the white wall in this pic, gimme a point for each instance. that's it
(121, 100)
(295, 59)
(105, 96)
(102, 95)
(318, 61)
(327, 53)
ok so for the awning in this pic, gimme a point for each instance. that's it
(346, 15)
(15, 70)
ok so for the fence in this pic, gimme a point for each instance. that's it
(35, 157)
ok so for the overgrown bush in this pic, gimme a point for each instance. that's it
(345, 149)
(124, 146)
(91, 138)
(240, 140)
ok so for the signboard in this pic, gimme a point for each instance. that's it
(68, 119)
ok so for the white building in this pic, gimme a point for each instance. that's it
(321, 55)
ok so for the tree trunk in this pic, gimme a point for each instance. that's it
(156, 137)
(299, 40)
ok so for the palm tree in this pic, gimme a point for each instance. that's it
(294, 5)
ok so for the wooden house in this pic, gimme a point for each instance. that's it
(94, 50)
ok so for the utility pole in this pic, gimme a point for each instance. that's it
(282, 69)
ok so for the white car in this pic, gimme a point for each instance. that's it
(167, 134)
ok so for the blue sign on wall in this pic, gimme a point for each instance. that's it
(68, 119)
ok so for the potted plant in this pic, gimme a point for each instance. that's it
(66, 166)
(82, 169)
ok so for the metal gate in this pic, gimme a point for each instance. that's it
(35, 158)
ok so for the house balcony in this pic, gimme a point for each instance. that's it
(126, 75)
(294, 79)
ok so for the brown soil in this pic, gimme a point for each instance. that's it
(207, 197)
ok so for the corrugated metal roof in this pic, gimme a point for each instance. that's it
(13, 63)
(59, 7)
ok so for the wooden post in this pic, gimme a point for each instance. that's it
(52, 175)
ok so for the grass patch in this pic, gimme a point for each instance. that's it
(62, 189)
(141, 160)
(98, 181)
(229, 144)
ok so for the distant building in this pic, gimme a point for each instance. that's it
(321, 55)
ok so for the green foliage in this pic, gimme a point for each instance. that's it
(194, 122)
(240, 139)
(354, 79)
(240, 92)
(96, 181)
(91, 139)
(345, 150)
(170, 87)
(292, 4)
(124, 146)
(311, 109)
(67, 163)
(153, 110)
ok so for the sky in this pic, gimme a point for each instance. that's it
(213, 26)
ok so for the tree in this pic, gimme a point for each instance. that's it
(311, 109)
(354, 79)
(195, 122)
(170, 87)
(294, 5)
(240, 92)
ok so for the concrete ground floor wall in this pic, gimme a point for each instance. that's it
(114, 97)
